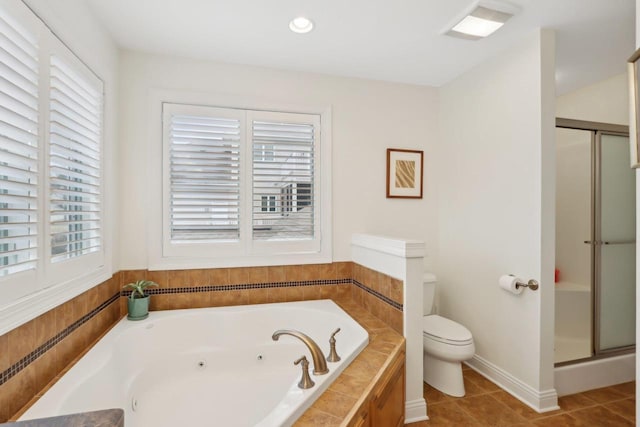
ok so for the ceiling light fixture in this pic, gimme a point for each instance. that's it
(301, 25)
(484, 18)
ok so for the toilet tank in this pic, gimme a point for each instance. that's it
(428, 292)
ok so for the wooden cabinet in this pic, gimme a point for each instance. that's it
(385, 407)
(362, 419)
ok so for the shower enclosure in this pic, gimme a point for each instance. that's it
(595, 242)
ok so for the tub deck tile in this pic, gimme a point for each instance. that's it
(316, 417)
(357, 381)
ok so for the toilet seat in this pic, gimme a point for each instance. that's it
(446, 331)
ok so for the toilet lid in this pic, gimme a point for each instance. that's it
(444, 328)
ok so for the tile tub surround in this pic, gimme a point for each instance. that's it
(340, 404)
(34, 354)
(38, 351)
(379, 293)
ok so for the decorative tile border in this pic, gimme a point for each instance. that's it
(378, 295)
(31, 357)
(218, 288)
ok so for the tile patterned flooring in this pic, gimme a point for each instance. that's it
(486, 404)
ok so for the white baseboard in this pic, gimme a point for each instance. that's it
(584, 376)
(540, 401)
(415, 410)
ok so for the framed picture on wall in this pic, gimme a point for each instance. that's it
(634, 108)
(404, 173)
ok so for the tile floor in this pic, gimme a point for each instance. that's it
(486, 404)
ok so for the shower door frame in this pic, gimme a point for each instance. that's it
(596, 129)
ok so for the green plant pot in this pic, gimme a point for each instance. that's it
(138, 308)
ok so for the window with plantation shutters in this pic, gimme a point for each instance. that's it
(241, 185)
(204, 177)
(75, 129)
(18, 148)
(284, 176)
(51, 210)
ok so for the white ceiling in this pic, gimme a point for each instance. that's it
(391, 40)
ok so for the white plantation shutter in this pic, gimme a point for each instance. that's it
(204, 156)
(18, 148)
(283, 168)
(74, 162)
(240, 185)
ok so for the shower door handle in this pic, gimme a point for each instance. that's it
(610, 242)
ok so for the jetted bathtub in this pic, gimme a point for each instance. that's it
(205, 367)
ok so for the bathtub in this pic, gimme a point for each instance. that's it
(205, 367)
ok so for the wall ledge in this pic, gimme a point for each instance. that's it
(404, 248)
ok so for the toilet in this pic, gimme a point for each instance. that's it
(446, 345)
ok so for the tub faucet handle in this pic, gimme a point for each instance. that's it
(305, 381)
(333, 356)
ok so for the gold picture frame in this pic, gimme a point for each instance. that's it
(405, 171)
(634, 108)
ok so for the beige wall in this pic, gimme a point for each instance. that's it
(367, 118)
(495, 161)
(606, 101)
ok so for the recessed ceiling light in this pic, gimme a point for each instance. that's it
(483, 20)
(301, 25)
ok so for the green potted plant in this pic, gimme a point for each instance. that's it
(138, 301)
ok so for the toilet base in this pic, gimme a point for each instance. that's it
(443, 375)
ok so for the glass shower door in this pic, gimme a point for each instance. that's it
(615, 248)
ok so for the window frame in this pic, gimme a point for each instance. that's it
(157, 229)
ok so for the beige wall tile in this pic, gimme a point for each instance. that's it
(97, 325)
(229, 298)
(16, 392)
(114, 284)
(294, 293)
(258, 296)
(278, 294)
(396, 290)
(344, 292)
(396, 320)
(384, 284)
(177, 278)
(160, 277)
(329, 292)
(45, 327)
(130, 276)
(344, 270)
(122, 304)
(45, 369)
(69, 312)
(4, 353)
(198, 277)
(293, 273)
(276, 274)
(324, 272)
(157, 303)
(258, 275)
(238, 276)
(21, 341)
(92, 298)
(219, 276)
(69, 348)
(335, 403)
(312, 292)
(198, 299)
